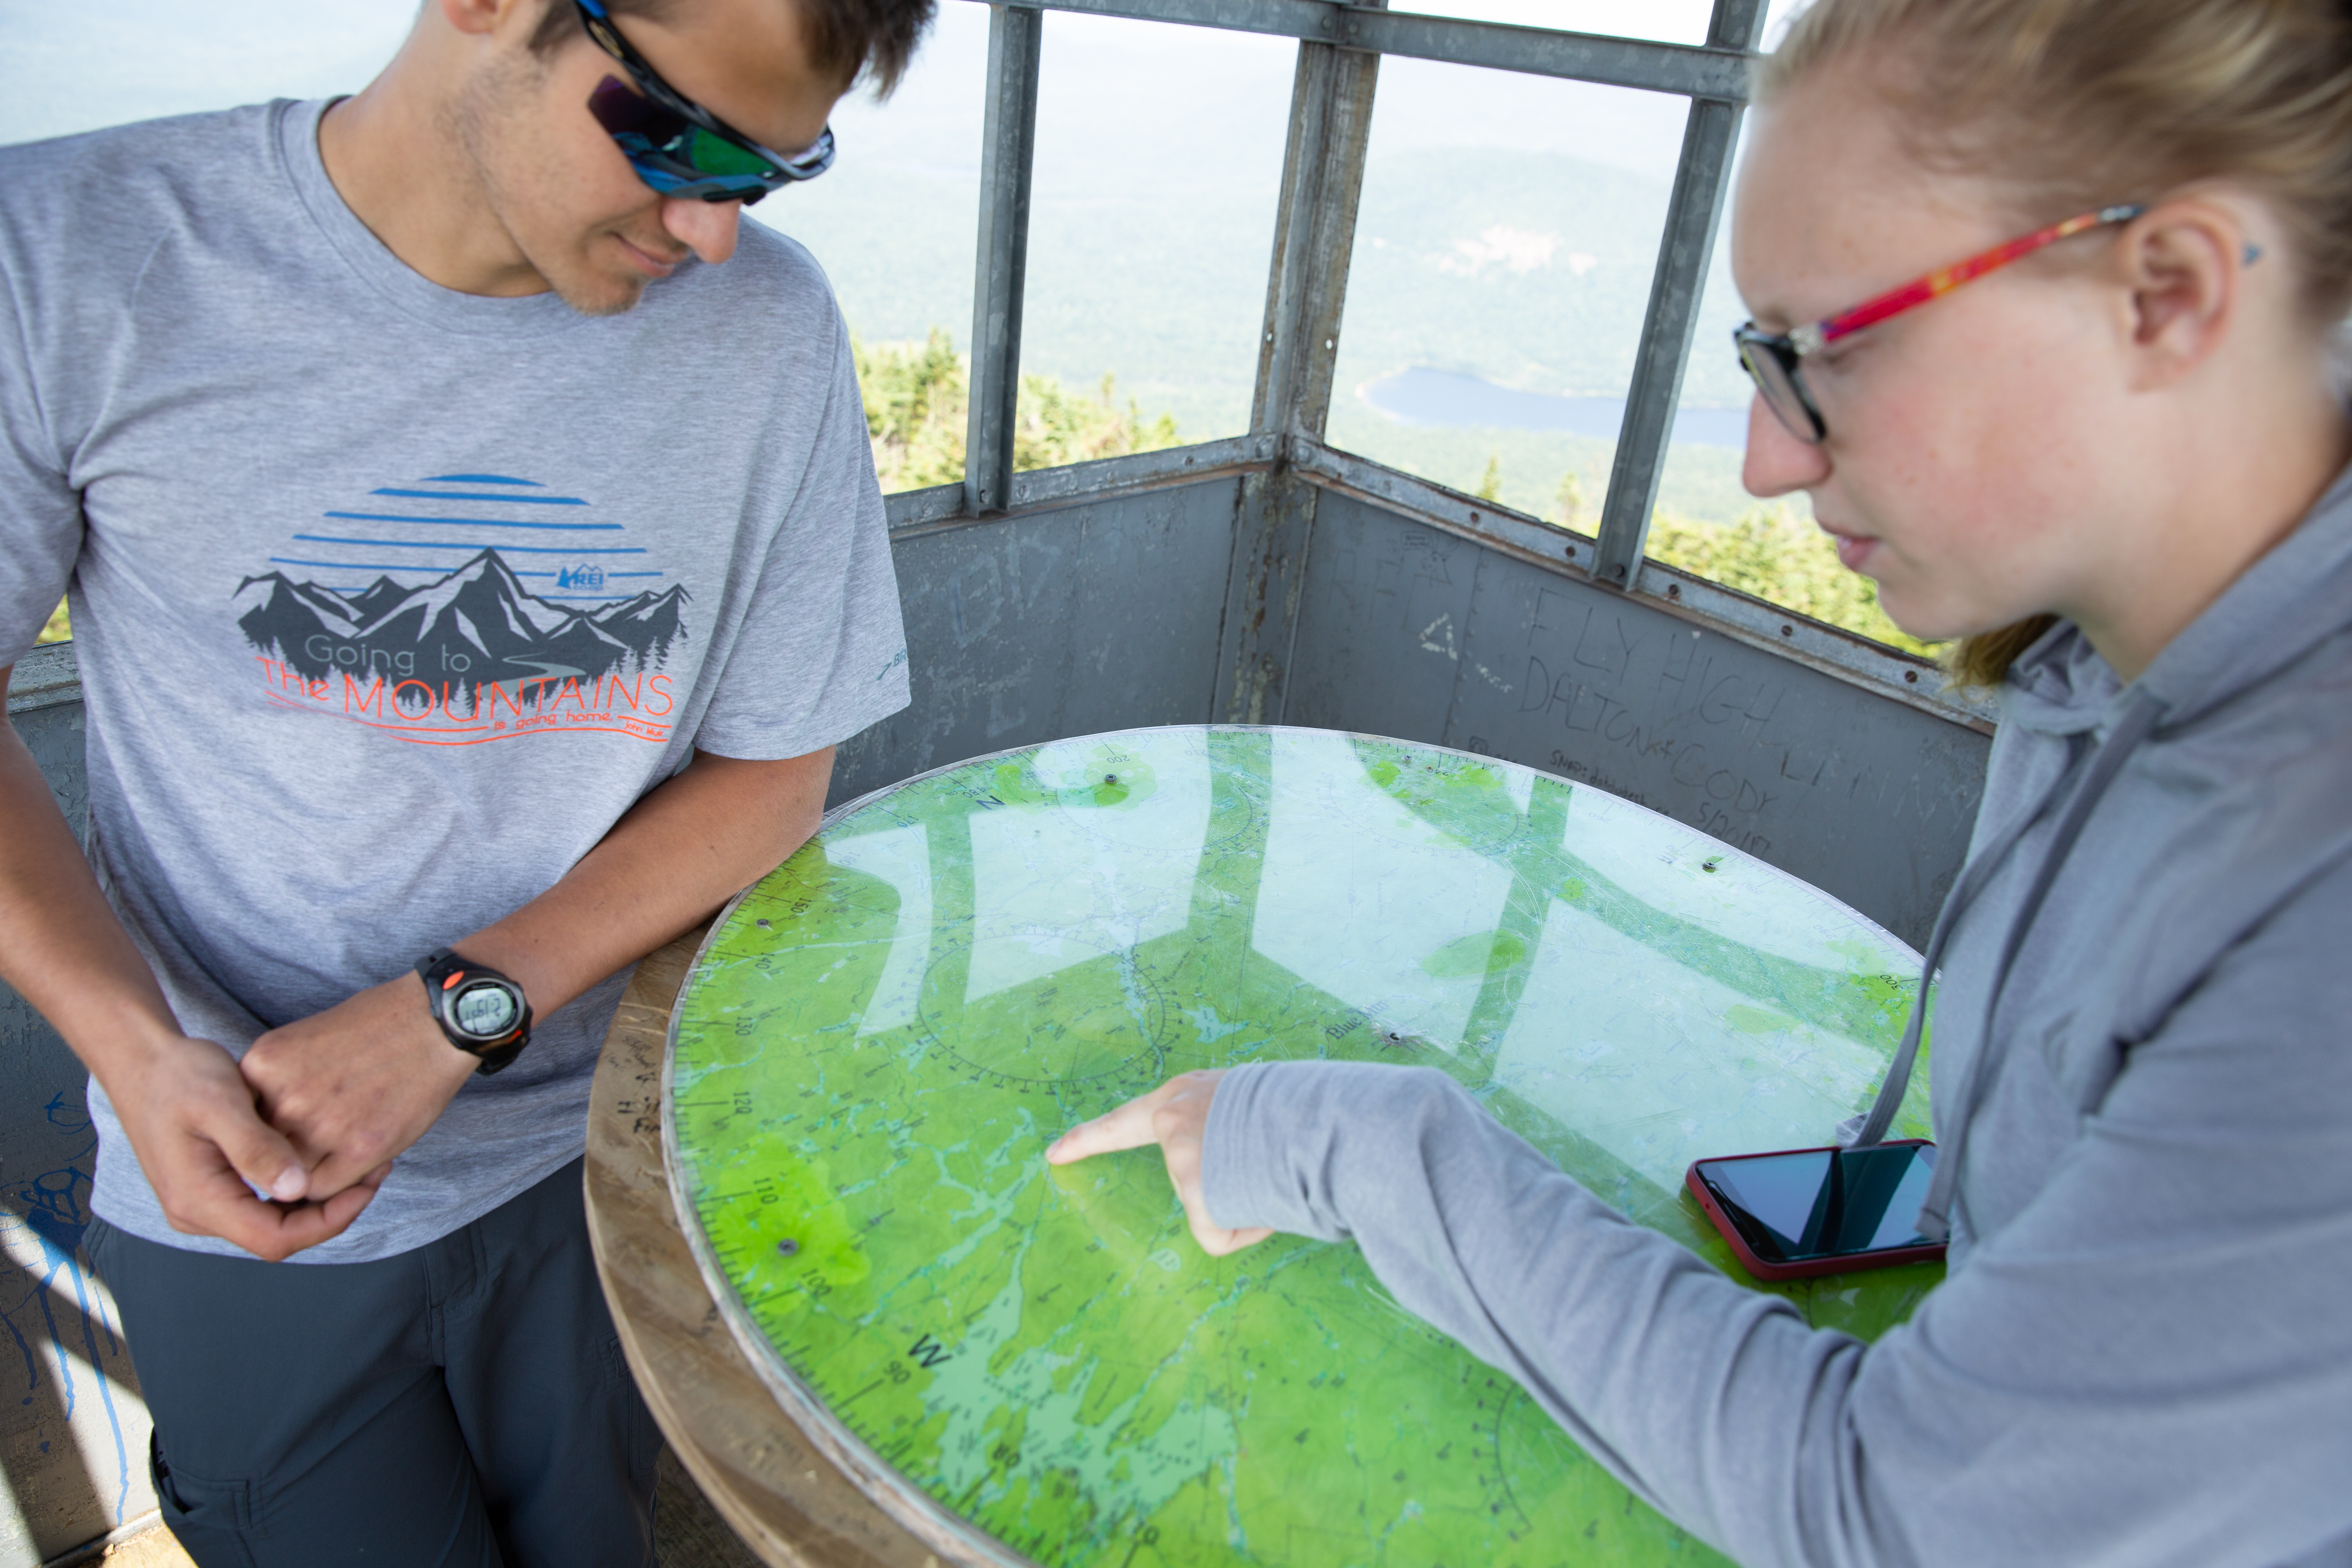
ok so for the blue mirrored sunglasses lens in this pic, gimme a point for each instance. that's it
(675, 156)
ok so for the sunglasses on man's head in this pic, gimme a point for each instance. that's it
(1774, 360)
(675, 145)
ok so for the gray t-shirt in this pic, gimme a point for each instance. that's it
(388, 601)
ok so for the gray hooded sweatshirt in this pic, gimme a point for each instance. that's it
(2142, 1354)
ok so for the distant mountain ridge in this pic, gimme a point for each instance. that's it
(475, 626)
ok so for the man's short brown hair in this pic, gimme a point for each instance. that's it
(873, 39)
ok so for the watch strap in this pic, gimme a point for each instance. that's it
(497, 1056)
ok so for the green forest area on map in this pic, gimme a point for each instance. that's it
(1043, 1353)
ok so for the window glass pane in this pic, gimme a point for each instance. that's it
(1151, 225)
(895, 223)
(1701, 479)
(1665, 21)
(1706, 520)
(1504, 250)
(69, 68)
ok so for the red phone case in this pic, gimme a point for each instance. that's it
(1811, 1268)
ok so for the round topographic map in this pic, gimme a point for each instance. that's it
(1022, 1362)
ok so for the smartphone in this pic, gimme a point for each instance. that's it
(1804, 1212)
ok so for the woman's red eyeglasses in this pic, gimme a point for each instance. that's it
(1774, 360)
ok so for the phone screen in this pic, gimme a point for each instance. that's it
(1791, 1207)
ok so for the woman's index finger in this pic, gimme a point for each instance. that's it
(1128, 1127)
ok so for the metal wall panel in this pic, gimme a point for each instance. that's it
(1409, 630)
(1097, 616)
(73, 1440)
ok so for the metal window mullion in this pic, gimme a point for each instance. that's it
(1306, 288)
(1711, 72)
(1314, 240)
(1008, 159)
(1707, 72)
(1701, 181)
(1301, 157)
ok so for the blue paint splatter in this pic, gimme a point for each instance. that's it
(54, 1207)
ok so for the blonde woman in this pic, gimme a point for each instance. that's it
(2101, 438)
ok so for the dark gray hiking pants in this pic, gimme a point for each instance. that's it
(462, 1406)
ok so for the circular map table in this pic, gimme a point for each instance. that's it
(1026, 1364)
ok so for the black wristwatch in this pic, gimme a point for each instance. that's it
(483, 1013)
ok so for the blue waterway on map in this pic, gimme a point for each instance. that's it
(1422, 395)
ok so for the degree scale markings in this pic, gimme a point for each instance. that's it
(1037, 1364)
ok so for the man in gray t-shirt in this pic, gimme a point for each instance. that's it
(428, 496)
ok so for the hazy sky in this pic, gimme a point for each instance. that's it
(1193, 116)
(75, 64)
(67, 67)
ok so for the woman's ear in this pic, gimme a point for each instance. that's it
(2181, 262)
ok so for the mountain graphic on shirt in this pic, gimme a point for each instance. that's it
(478, 625)
(372, 602)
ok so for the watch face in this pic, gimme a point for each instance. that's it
(485, 1010)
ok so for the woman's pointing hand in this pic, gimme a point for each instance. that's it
(1176, 1116)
